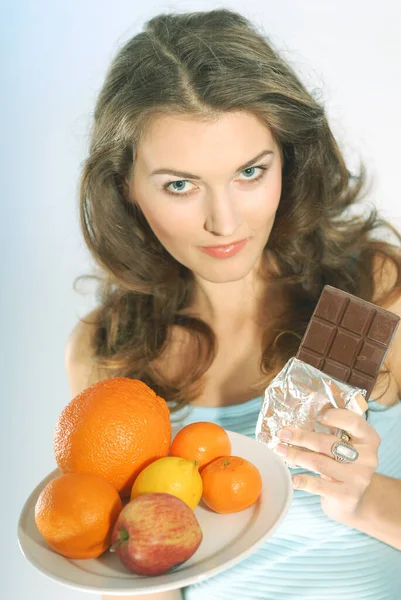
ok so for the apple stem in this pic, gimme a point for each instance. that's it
(123, 537)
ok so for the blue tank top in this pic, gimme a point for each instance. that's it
(310, 556)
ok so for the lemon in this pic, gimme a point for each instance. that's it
(170, 475)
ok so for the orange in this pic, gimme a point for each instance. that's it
(76, 514)
(114, 429)
(230, 484)
(202, 442)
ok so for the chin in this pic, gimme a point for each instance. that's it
(225, 271)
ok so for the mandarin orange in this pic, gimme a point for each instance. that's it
(202, 441)
(76, 513)
(114, 429)
(230, 484)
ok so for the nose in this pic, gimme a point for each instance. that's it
(222, 218)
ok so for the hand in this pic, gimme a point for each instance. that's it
(340, 485)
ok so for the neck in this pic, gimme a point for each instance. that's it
(230, 305)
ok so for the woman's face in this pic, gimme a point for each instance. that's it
(226, 189)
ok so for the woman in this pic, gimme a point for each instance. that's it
(217, 204)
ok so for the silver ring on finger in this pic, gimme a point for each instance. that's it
(344, 436)
(343, 452)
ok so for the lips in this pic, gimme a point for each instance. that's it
(225, 245)
(224, 251)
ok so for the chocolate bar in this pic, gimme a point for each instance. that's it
(348, 338)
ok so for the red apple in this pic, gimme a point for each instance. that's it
(155, 533)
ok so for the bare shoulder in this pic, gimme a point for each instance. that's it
(385, 276)
(79, 355)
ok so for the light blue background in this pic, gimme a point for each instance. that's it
(53, 59)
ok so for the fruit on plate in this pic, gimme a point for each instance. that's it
(231, 484)
(170, 475)
(202, 441)
(113, 429)
(76, 512)
(155, 533)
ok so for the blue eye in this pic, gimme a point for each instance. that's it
(180, 182)
(167, 186)
(249, 169)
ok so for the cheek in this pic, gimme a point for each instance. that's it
(169, 225)
(169, 221)
(273, 188)
(265, 204)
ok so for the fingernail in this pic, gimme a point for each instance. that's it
(280, 449)
(284, 434)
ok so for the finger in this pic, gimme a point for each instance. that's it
(355, 425)
(317, 462)
(312, 440)
(321, 442)
(318, 485)
(323, 486)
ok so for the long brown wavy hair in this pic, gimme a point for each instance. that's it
(202, 65)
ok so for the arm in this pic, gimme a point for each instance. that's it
(380, 511)
(82, 372)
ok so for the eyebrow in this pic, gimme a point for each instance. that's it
(249, 163)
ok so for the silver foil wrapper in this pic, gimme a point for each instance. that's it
(298, 395)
